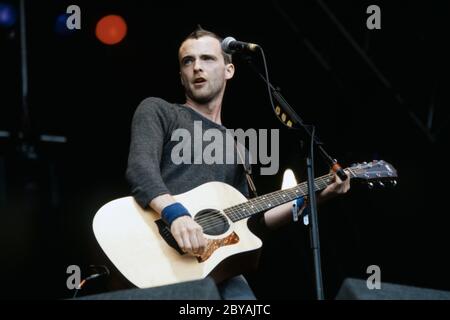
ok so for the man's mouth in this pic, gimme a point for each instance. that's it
(199, 80)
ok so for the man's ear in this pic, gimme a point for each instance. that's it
(181, 79)
(229, 71)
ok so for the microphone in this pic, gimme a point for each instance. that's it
(230, 45)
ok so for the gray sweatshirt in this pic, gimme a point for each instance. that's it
(151, 170)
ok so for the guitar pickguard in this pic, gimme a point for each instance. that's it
(213, 244)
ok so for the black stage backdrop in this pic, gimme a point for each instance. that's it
(372, 94)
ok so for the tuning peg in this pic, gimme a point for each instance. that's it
(370, 184)
(381, 184)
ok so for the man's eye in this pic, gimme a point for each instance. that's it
(187, 61)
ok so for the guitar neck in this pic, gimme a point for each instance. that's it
(271, 200)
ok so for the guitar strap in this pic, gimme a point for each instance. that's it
(248, 172)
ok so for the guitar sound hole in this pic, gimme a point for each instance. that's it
(212, 221)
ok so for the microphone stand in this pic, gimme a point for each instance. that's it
(334, 165)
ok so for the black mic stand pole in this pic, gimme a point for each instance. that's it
(334, 165)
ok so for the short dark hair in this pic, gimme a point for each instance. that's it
(200, 32)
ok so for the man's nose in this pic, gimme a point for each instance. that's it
(197, 65)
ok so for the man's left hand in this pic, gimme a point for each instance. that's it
(337, 187)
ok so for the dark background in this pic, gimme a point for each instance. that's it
(86, 91)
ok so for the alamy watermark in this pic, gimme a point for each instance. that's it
(74, 20)
(212, 146)
(74, 279)
(374, 280)
(374, 20)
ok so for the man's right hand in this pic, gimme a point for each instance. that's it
(189, 235)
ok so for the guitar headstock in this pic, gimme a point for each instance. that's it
(377, 171)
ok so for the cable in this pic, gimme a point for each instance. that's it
(266, 71)
(105, 272)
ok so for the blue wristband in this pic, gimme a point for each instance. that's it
(172, 212)
(300, 201)
(297, 205)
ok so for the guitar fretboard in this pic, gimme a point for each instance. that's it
(271, 200)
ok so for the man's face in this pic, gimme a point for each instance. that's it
(202, 69)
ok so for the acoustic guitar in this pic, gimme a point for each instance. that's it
(142, 248)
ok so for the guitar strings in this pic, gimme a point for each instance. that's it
(257, 202)
(211, 220)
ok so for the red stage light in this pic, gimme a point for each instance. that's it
(111, 29)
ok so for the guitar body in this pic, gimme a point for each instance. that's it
(142, 248)
(137, 244)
